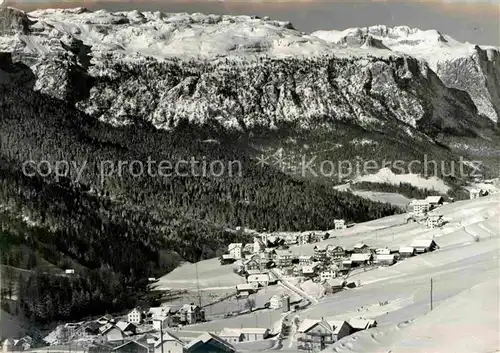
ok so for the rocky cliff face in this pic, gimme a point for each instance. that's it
(478, 75)
(307, 93)
(463, 66)
(264, 74)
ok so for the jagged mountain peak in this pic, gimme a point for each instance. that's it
(461, 65)
(14, 21)
(372, 42)
(389, 35)
(404, 32)
(93, 43)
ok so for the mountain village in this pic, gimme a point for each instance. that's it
(423, 279)
(280, 274)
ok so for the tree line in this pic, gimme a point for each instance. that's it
(122, 231)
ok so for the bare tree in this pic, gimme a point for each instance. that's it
(10, 281)
(250, 304)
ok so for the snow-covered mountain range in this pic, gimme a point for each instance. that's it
(243, 71)
(464, 66)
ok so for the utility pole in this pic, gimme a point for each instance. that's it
(161, 335)
(1, 268)
(198, 285)
(431, 294)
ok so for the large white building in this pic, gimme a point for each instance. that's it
(191, 314)
(476, 193)
(339, 224)
(170, 343)
(277, 300)
(327, 274)
(135, 316)
(235, 249)
(420, 206)
(284, 258)
(434, 221)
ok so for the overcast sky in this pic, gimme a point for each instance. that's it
(474, 21)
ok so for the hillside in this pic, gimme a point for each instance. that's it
(94, 100)
(119, 230)
(465, 278)
(266, 84)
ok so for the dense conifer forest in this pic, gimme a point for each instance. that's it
(119, 231)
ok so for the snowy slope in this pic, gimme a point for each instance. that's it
(210, 273)
(465, 286)
(465, 323)
(480, 66)
(164, 35)
(385, 175)
(465, 296)
(81, 56)
(430, 45)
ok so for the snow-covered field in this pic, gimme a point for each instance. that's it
(465, 273)
(261, 298)
(386, 197)
(211, 275)
(465, 276)
(385, 175)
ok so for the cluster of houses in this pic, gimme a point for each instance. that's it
(123, 337)
(109, 332)
(107, 335)
(328, 264)
(421, 207)
(167, 316)
(317, 335)
(363, 255)
(147, 343)
(16, 345)
(265, 242)
(419, 210)
(427, 204)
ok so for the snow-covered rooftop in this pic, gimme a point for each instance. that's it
(418, 243)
